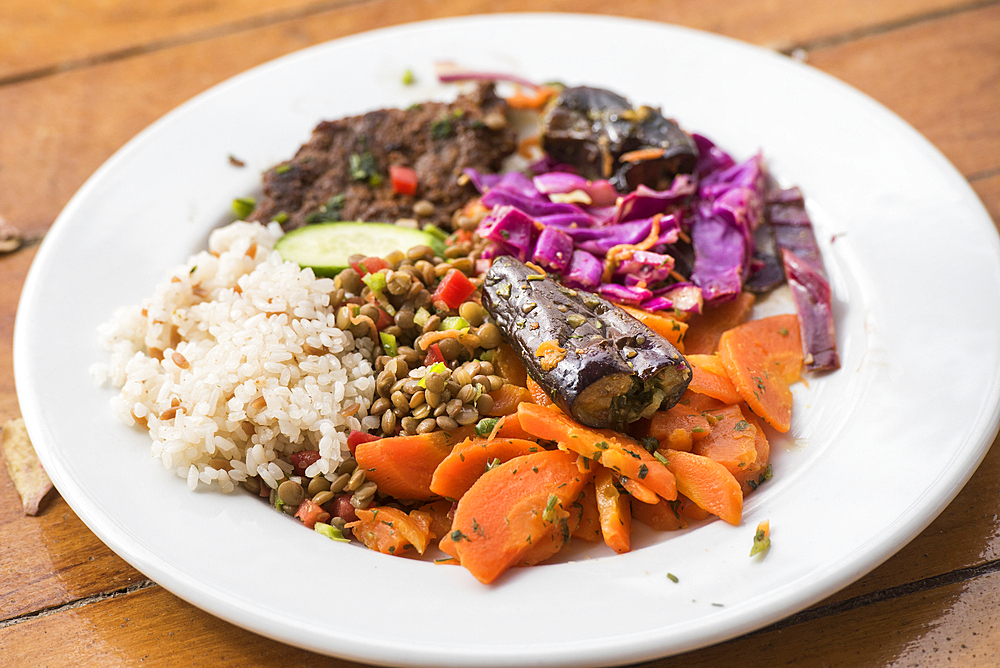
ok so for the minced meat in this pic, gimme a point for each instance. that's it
(342, 172)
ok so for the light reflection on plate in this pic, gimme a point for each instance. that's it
(881, 445)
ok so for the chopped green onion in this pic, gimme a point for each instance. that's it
(330, 531)
(408, 78)
(485, 426)
(550, 508)
(421, 316)
(454, 322)
(243, 206)
(388, 343)
(375, 281)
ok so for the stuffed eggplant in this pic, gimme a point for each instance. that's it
(599, 364)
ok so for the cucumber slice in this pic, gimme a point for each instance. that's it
(325, 247)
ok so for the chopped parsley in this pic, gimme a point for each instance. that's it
(329, 212)
(363, 168)
(442, 129)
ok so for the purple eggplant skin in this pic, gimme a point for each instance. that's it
(615, 369)
(588, 128)
(803, 265)
(680, 155)
(591, 128)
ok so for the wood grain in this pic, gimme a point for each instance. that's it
(38, 38)
(951, 95)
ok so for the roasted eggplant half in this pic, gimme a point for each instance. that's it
(599, 133)
(596, 362)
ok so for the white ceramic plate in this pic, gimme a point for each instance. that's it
(880, 447)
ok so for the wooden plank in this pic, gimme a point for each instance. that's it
(41, 36)
(52, 558)
(953, 625)
(36, 36)
(63, 136)
(150, 625)
(941, 77)
(950, 625)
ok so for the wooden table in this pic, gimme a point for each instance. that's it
(79, 78)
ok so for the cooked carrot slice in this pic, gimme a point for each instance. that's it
(661, 516)
(403, 466)
(679, 427)
(709, 377)
(509, 366)
(705, 329)
(468, 460)
(707, 483)
(732, 441)
(611, 449)
(391, 531)
(763, 357)
(510, 427)
(538, 395)
(510, 507)
(616, 517)
(754, 474)
(589, 528)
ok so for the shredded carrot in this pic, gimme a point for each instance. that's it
(616, 254)
(496, 428)
(467, 339)
(642, 154)
(536, 99)
(529, 146)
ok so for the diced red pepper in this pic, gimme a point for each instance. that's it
(453, 289)
(356, 437)
(384, 320)
(433, 355)
(370, 265)
(404, 179)
(311, 512)
(303, 459)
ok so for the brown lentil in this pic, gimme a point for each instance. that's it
(388, 422)
(339, 483)
(423, 208)
(357, 478)
(446, 423)
(465, 265)
(450, 349)
(291, 493)
(426, 426)
(485, 404)
(472, 312)
(489, 336)
(432, 324)
(322, 497)
(317, 485)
